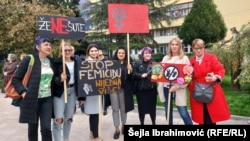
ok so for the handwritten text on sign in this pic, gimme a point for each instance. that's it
(99, 77)
(60, 27)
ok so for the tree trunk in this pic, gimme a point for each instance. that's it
(235, 72)
(235, 85)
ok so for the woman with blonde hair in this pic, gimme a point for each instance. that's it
(64, 111)
(175, 91)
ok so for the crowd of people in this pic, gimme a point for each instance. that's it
(43, 100)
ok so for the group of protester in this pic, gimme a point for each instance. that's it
(44, 98)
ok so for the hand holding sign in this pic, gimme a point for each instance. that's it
(87, 88)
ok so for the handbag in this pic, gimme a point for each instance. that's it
(203, 92)
(10, 89)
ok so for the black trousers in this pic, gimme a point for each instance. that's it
(207, 118)
(44, 113)
(94, 124)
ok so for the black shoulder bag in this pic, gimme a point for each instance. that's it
(203, 92)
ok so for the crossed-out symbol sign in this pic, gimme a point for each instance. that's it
(171, 73)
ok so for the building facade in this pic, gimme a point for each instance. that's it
(235, 14)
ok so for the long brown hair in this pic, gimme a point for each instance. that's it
(92, 45)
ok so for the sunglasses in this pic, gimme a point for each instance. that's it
(67, 50)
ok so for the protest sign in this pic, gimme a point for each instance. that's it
(60, 27)
(99, 77)
(166, 72)
(128, 18)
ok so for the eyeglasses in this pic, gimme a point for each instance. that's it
(198, 48)
(67, 50)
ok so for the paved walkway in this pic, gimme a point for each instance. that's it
(11, 130)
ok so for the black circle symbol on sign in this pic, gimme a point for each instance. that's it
(171, 73)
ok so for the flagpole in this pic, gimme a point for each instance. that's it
(128, 51)
(64, 71)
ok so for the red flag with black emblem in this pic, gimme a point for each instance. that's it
(128, 18)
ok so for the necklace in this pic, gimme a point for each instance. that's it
(45, 62)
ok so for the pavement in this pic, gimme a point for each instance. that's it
(12, 130)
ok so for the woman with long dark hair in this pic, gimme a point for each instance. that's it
(122, 101)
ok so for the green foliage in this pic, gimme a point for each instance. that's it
(18, 23)
(224, 55)
(158, 57)
(204, 22)
(241, 51)
(235, 57)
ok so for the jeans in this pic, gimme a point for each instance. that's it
(65, 111)
(184, 115)
(182, 110)
(44, 113)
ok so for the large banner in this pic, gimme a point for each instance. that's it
(99, 77)
(166, 72)
(128, 18)
(60, 27)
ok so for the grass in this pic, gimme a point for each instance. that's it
(238, 102)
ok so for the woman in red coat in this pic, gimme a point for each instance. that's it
(207, 70)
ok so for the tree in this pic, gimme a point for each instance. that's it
(240, 68)
(235, 57)
(18, 23)
(204, 22)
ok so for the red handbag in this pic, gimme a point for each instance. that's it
(10, 89)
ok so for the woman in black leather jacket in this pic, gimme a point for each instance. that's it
(145, 90)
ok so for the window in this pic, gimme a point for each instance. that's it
(186, 48)
(163, 48)
(180, 10)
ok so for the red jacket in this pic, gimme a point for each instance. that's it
(218, 108)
